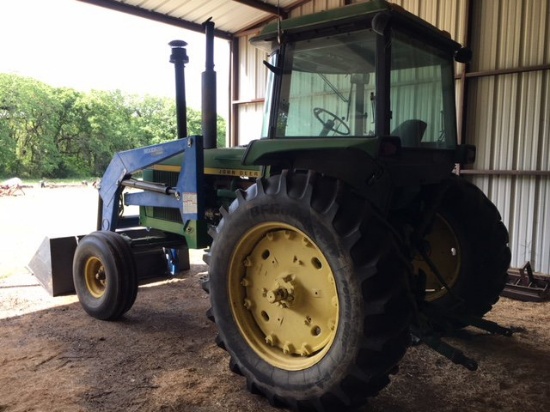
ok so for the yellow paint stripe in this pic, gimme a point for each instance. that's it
(211, 171)
(231, 172)
(166, 168)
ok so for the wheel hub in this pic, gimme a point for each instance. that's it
(443, 248)
(96, 280)
(282, 293)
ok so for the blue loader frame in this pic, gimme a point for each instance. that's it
(185, 196)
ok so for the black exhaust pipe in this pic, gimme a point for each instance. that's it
(209, 115)
(179, 58)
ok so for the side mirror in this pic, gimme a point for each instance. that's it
(463, 55)
(465, 154)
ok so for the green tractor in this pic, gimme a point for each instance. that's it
(338, 237)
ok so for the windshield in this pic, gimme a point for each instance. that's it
(327, 87)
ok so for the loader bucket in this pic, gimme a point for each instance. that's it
(52, 264)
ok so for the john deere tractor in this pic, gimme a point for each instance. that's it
(336, 238)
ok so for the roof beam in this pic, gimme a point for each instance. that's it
(257, 25)
(151, 15)
(268, 8)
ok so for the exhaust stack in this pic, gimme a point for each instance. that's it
(209, 115)
(179, 58)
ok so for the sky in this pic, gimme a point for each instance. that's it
(67, 43)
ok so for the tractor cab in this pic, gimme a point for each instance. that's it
(370, 73)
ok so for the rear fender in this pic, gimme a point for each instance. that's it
(349, 159)
(269, 151)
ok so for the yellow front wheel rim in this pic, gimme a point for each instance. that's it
(283, 296)
(96, 281)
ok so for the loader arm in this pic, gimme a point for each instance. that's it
(185, 196)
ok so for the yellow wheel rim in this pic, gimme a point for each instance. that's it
(96, 281)
(444, 251)
(283, 296)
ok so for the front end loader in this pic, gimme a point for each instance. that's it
(339, 237)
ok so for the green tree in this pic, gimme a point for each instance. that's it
(60, 132)
(69, 139)
(106, 126)
(8, 157)
(29, 105)
(155, 118)
(222, 130)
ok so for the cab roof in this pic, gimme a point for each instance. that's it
(354, 13)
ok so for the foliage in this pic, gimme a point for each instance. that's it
(60, 132)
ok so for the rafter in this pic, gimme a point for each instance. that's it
(268, 8)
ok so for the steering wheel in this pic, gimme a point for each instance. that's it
(332, 124)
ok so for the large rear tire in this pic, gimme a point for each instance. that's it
(308, 293)
(104, 275)
(468, 243)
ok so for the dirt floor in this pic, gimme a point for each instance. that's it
(162, 356)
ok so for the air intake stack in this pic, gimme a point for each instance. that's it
(209, 115)
(179, 58)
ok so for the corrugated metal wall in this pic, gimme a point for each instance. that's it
(251, 91)
(507, 113)
(315, 6)
(448, 15)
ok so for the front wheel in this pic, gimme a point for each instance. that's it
(308, 293)
(104, 275)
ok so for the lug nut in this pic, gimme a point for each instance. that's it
(305, 350)
(288, 348)
(271, 339)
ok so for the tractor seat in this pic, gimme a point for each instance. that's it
(410, 132)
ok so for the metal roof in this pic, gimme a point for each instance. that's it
(231, 17)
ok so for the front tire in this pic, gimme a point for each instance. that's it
(308, 293)
(104, 275)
